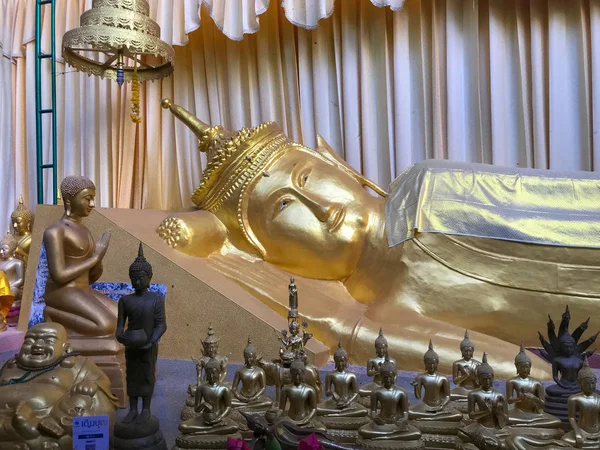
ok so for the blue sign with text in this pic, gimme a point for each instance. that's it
(91, 433)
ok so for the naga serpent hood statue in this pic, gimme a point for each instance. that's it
(453, 245)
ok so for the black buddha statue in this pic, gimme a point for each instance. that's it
(566, 355)
(144, 313)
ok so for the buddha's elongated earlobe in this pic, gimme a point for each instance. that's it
(68, 208)
(325, 150)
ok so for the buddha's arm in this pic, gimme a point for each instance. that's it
(283, 399)
(262, 382)
(352, 390)
(473, 412)
(328, 383)
(234, 386)
(510, 390)
(19, 274)
(121, 318)
(227, 403)
(417, 385)
(311, 403)
(457, 377)
(199, 405)
(572, 409)
(403, 409)
(445, 392)
(160, 323)
(372, 368)
(539, 397)
(59, 271)
(555, 372)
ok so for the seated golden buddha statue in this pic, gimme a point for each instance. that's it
(268, 204)
(44, 387)
(389, 428)
(212, 426)
(527, 395)
(74, 262)
(22, 222)
(373, 365)
(584, 411)
(433, 416)
(487, 407)
(210, 350)
(14, 269)
(464, 375)
(341, 413)
(298, 402)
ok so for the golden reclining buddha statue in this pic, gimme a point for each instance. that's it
(453, 246)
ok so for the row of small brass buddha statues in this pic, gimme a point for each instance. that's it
(14, 252)
(378, 415)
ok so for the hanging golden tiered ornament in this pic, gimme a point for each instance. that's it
(118, 40)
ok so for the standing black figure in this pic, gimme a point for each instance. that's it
(144, 313)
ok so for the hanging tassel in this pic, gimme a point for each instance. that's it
(135, 96)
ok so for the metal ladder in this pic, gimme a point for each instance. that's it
(39, 110)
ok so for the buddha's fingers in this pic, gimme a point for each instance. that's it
(408, 340)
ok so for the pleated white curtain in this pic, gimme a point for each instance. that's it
(511, 83)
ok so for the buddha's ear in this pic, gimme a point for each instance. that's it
(325, 150)
(197, 233)
(67, 347)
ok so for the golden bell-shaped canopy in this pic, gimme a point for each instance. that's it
(122, 39)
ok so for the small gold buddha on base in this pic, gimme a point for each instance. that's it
(436, 420)
(389, 428)
(250, 399)
(22, 222)
(210, 349)
(373, 365)
(584, 412)
(211, 428)
(464, 375)
(14, 269)
(341, 413)
(527, 395)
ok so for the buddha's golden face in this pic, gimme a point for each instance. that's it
(43, 345)
(311, 217)
(21, 225)
(82, 204)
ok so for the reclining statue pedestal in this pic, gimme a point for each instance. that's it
(75, 262)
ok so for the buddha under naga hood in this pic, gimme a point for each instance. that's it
(453, 246)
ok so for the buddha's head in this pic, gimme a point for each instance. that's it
(431, 359)
(568, 345)
(340, 357)
(381, 344)
(250, 354)
(387, 373)
(587, 378)
(466, 347)
(8, 246)
(140, 272)
(21, 219)
(43, 346)
(523, 363)
(485, 374)
(210, 344)
(297, 372)
(212, 370)
(302, 210)
(78, 194)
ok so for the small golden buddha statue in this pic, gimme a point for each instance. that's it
(14, 269)
(253, 380)
(75, 262)
(527, 395)
(212, 425)
(22, 223)
(44, 387)
(6, 298)
(341, 413)
(464, 375)
(584, 411)
(389, 428)
(433, 416)
(487, 407)
(302, 400)
(373, 365)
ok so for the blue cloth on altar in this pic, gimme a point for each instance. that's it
(113, 291)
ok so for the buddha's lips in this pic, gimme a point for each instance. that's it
(337, 218)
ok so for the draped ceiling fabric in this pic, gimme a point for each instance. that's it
(513, 83)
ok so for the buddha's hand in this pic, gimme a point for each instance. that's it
(23, 422)
(579, 440)
(378, 420)
(401, 423)
(102, 245)
(88, 388)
